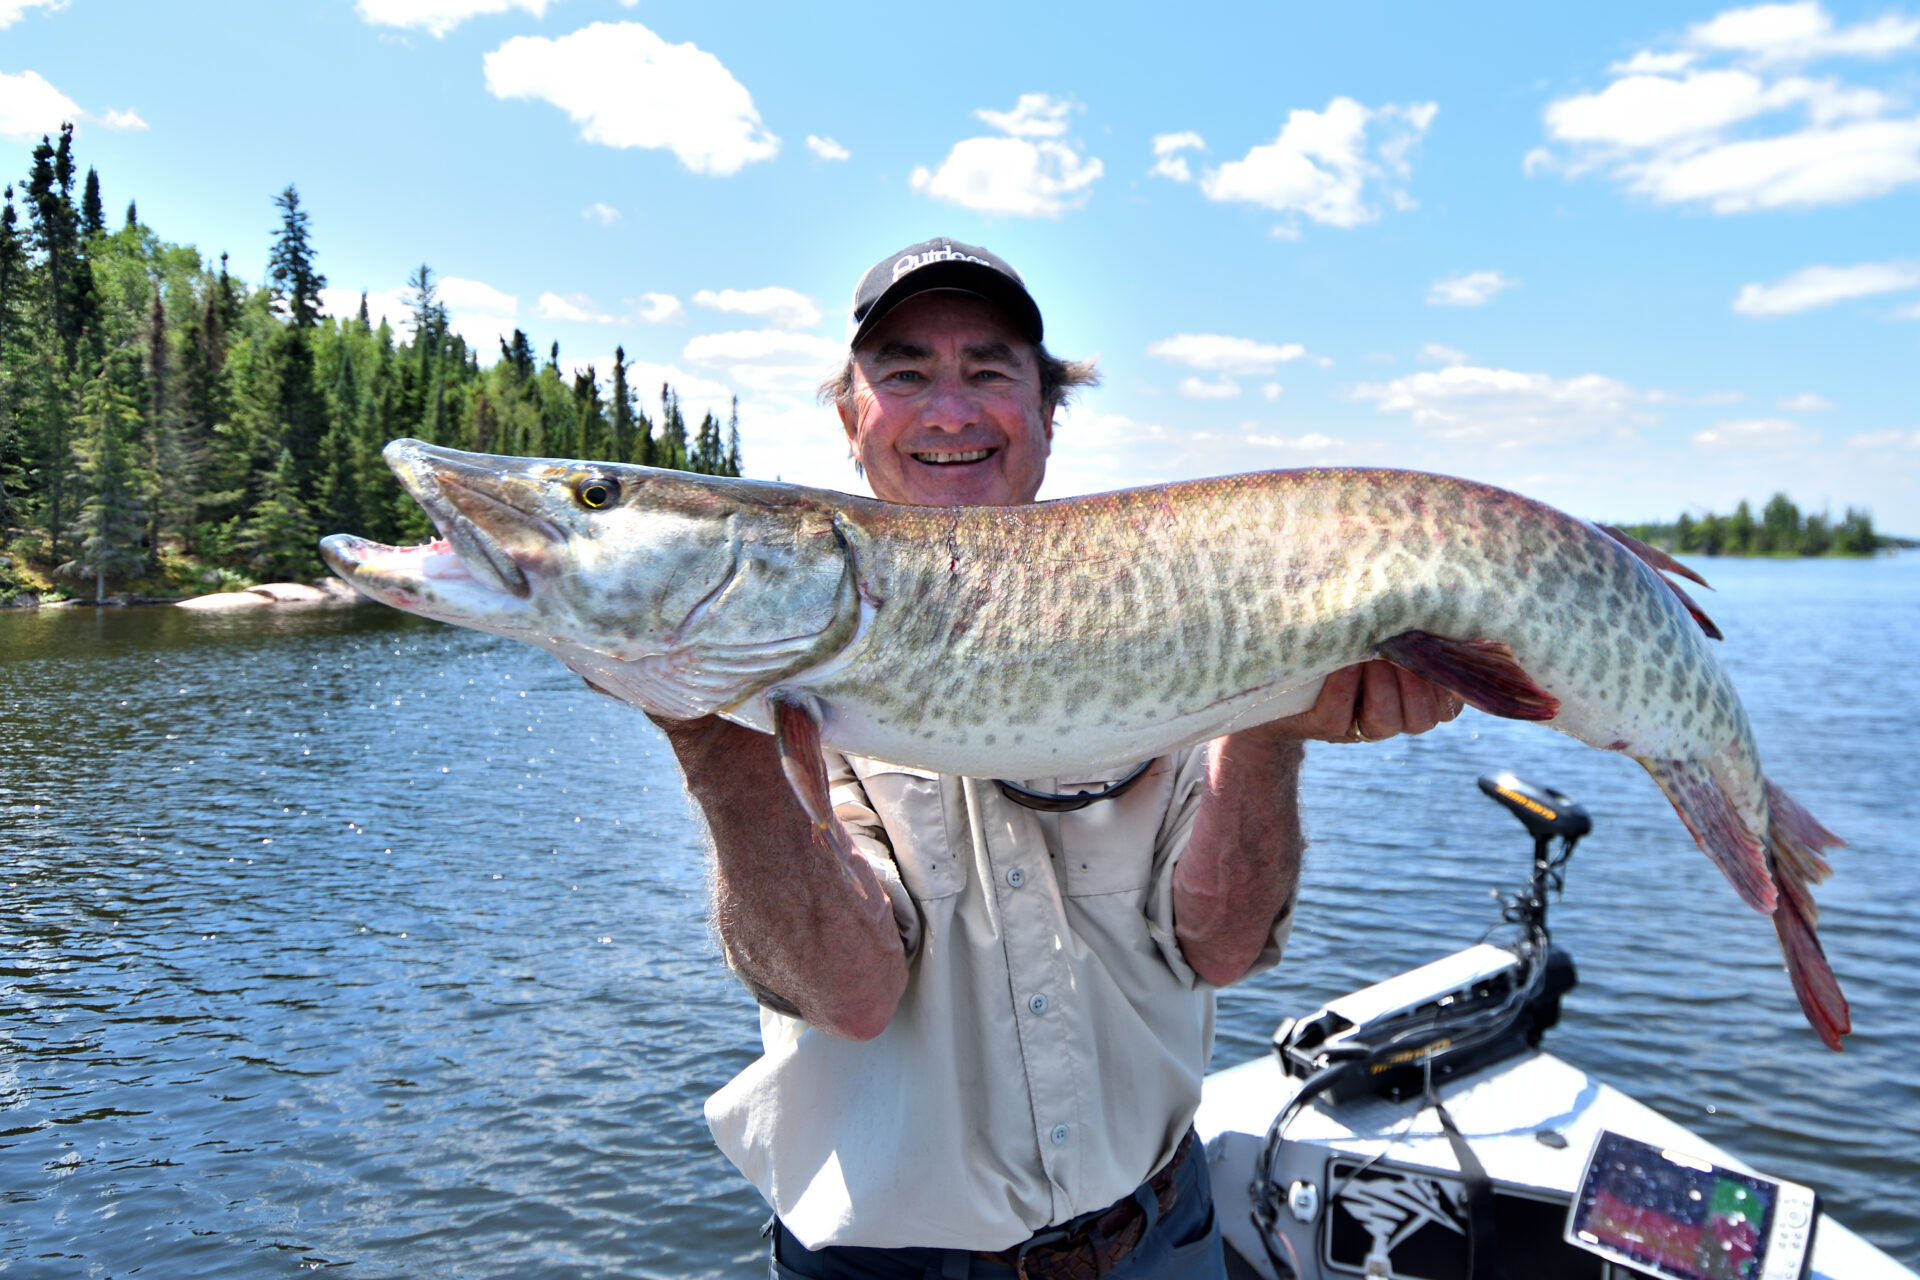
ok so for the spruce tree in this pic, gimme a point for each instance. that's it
(290, 262)
(277, 537)
(671, 447)
(623, 450)
(113, 513)
(709, 453)
(133, 214)
(302, 408)
(733, 440)
(93, 215)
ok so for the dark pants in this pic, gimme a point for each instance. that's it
(1185, 1245)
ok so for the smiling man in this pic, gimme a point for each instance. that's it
(985, 1035)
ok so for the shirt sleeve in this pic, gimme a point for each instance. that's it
(854, 807)
(1176, 830)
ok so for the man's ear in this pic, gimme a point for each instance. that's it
(1046, 425)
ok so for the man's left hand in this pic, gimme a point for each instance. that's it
(1366, 703)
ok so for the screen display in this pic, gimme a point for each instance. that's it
(1672, 1213)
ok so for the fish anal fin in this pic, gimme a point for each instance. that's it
(1662, 563)
(1483, 672)
(796, 731)
(1709, 813)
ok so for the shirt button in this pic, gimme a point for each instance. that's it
(1016, 877)
(1038, 1003)
(1059, 1134)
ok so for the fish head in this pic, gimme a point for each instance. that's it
(681, 593)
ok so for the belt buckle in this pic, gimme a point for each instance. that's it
(1039, 1240)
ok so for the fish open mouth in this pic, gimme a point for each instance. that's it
(483, 537)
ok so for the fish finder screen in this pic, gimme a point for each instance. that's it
(1671, 1214)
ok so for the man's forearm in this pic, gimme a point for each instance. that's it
(1243, 860)
(794, 919)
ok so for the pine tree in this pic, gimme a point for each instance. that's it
(733, 440)
(623, 450)
(133, 214)
(277, 537)
(14, 332)
(93, 215)
(709, 453)
(113, 514)
(670, 450)
(290, 262)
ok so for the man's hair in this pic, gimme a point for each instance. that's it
(1059, 379)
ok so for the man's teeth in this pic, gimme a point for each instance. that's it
(948, 459)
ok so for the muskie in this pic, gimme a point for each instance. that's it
(1045, 641)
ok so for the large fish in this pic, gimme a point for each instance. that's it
(1043, 641)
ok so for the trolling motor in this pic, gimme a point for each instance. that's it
(1402, 1038)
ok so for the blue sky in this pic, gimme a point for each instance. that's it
(1631, 259)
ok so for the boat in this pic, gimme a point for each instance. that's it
(1416, 1130)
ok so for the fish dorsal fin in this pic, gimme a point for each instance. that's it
(1662, 563)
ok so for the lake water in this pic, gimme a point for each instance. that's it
(337, 940)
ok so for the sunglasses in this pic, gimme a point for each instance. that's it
(1057, 802)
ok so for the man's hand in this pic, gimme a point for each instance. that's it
(1367, 703)
(792, 923)
(1243, 861)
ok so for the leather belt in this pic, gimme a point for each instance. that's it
(1094, 1244)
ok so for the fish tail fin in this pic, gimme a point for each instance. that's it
(1717, 827)
(1795, 839)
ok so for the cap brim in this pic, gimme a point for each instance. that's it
(962, 277)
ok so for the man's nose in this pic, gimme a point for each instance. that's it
(953, 406)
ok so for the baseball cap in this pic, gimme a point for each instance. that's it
(940, 264)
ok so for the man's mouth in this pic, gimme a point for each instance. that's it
(952, 457)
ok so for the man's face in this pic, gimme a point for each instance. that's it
(946, 406)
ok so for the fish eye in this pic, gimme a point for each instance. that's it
(596, 492)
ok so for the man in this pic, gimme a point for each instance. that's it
(985, 1034)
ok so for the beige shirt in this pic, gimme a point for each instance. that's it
(1047, 1054)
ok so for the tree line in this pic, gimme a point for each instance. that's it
(164, 423)
(1781, 529)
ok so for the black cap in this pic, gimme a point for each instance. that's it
(940, 264)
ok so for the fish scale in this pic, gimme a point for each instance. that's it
(1058, 639)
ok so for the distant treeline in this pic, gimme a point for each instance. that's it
(163, 424)
(1781, 529)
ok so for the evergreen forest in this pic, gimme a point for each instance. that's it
(1780, 529)
(167, 429)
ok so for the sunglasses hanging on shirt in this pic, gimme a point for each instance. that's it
(1057, 802)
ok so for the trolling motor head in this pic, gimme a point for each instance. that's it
(1543, 811)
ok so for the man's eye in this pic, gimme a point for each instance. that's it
(904, 375)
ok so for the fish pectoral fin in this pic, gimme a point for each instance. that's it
(1483, 672)
(796, 731)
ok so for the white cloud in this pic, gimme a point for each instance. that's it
(827, 148)
(1168, 162)
(1822, 286)
(30, 107)
(1436, 353)
(1755, 433)
(124, 120)
(390, 305)
(1035, 115)
(604, 214)
(1806, 403)
(782, 308)
(1469, 403)
(767, 359)
(698, 394)
(1015, 175)
(1312, 442)
(1271, 391)
(478, 312)
(1885, 440)
(626, 87)
(574, 308)
(437, 17)
(1219, 353)
(1749, 133)
(1222, 388)
(11, 11)
(1469, 289)
(660, 308)
(1323, 164)
(1801, 32)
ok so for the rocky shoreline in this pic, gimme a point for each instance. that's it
(324, 591)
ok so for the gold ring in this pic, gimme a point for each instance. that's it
(1359, 734)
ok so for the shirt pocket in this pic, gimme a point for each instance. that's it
(1108, 847)
(912, 805)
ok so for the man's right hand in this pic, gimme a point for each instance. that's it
(791, 921)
